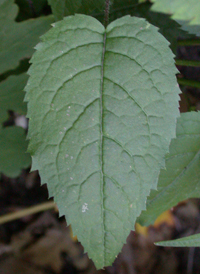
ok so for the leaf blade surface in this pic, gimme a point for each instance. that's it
(98, 145)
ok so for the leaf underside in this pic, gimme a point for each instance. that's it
(185, 12)
(189, 241)
(181, 179)
(102, 106)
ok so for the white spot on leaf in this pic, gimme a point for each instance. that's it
(85, 207)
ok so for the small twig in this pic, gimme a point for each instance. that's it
(25, 212)
(106, 14)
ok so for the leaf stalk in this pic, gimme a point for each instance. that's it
(106, 14)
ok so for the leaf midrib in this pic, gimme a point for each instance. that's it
(102, 139)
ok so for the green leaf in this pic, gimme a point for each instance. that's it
(13, 156)
(8, 9)
(185, 12)
(13, 144)
(62, 8)
(22, 68)
(102, 106)
(189, 241)
(20, 37)
(181, 179)
(12, 95)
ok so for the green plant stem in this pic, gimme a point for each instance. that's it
(25, 212)
(189, 83)
(188, 63)
(107, 10)
(189, 42)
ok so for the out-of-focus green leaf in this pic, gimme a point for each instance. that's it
(12, 96)
(102, 105)
(13, 144)
(8, 9)
(13, 147)
(62, 8)
(185, 12)
(18, 39)
(181, 179)
(189, 241)
(22, 68)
